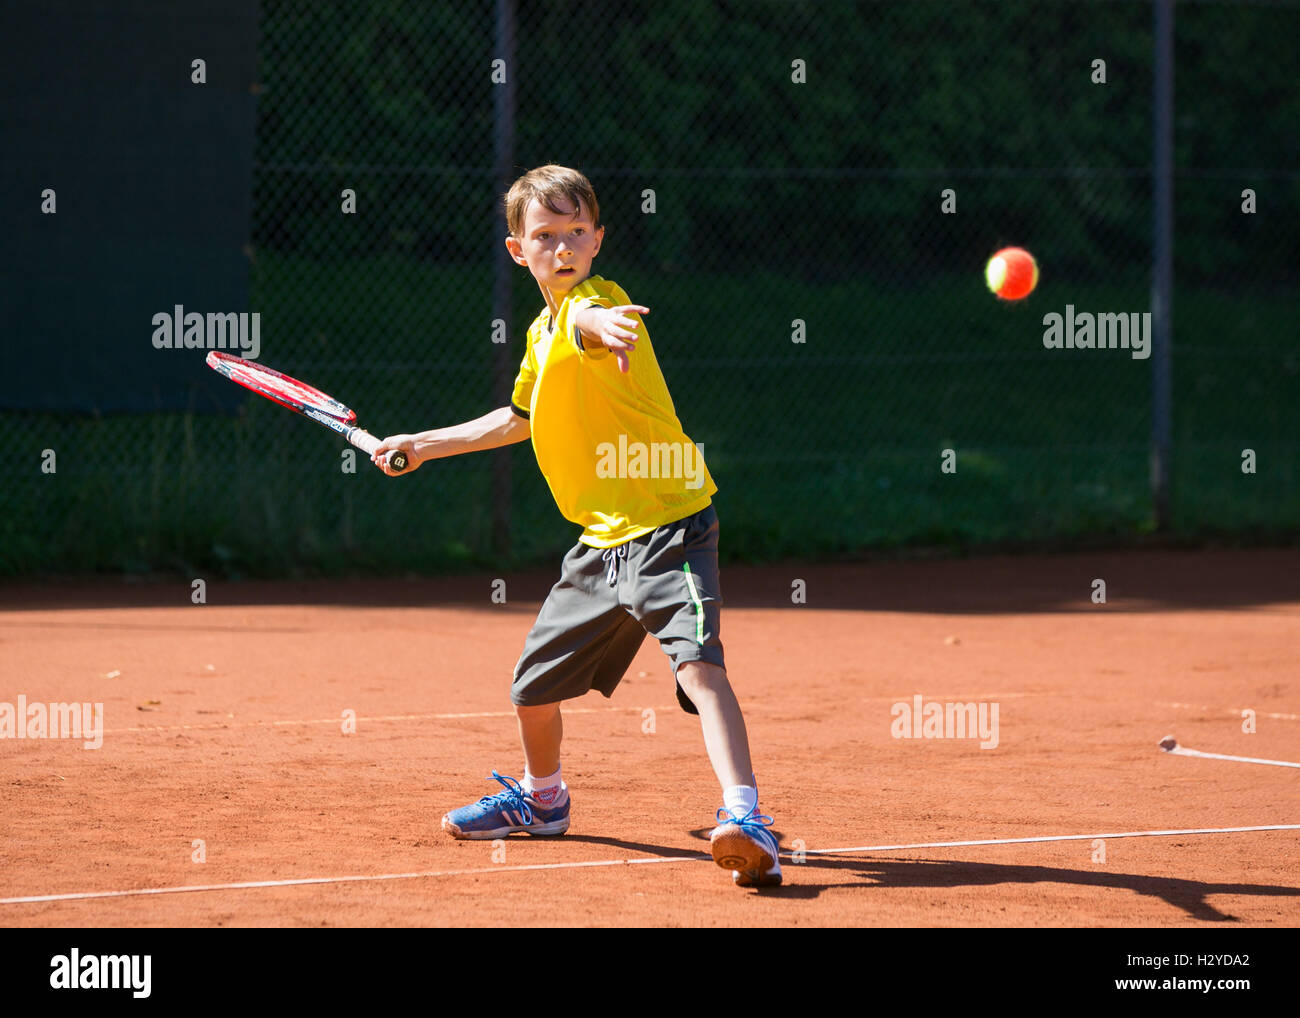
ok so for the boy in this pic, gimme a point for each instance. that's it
(591, 397)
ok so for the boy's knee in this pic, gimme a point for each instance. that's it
(532, 712)
(701, 678)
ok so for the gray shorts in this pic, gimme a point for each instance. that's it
(664, 583)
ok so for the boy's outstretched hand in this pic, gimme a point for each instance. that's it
(406, 443)
(612, 328)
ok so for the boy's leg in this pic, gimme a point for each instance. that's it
(676, 595)
(582, 640)
(723, 725)
(741, 843)
(541, 730)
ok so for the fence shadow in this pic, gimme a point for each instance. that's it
(1135, 580)
(821, 873)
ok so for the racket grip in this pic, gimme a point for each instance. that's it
(367, 443)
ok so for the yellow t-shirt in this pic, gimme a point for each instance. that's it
(609, 444)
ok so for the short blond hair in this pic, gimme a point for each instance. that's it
(548, 185)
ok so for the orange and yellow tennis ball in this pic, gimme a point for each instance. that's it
(1012, 273)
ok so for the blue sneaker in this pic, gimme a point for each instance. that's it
(745, 846)
(495, 816)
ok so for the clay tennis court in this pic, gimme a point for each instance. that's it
(242, 746)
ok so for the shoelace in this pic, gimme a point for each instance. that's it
(512, 796)
(753, 818)
(610, 558)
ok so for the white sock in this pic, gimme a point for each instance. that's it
(549, 791)
(740, 799)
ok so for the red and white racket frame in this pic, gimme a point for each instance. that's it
(301, 398)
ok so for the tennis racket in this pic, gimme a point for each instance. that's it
(301, 398)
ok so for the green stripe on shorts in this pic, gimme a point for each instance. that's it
(699, 605)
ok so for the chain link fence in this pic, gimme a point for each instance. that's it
(805, 195)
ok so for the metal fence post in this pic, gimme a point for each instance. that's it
(1162, 264)
(503, 145)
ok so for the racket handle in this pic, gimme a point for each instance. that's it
(367, 443)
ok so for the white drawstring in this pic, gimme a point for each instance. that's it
(610, 558)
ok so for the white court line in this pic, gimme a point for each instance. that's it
(385, 717)
(1170, 745)
(1231, 710)
(348, 879)
(655, 860)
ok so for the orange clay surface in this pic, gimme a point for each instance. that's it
(240, 743)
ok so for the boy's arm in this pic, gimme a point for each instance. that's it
(500, 427)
